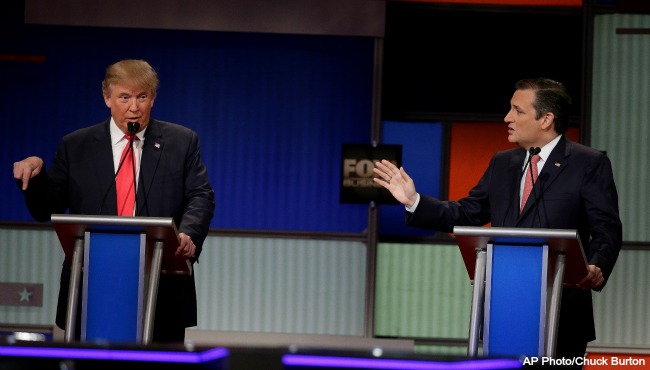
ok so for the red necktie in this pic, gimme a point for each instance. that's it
(124, 185)
(528, 184)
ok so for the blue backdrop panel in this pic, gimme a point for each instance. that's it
(271, 110)
(113, 287)
(515, 300)
(422, 159)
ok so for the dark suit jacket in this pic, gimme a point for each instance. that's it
(575, 190)
(173, 182)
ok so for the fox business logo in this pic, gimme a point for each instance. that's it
(359, 173)
(358, 162)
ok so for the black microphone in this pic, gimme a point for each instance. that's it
(132, 128)
(534, 151)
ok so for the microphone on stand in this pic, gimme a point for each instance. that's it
(534, 151)
(133, 128)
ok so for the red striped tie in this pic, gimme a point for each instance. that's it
(528, 185)
(124, 185)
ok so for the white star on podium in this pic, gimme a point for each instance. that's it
(24, 295)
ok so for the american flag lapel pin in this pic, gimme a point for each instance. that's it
(557, 164)
(157, 146)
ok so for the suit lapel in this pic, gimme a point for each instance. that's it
(514, 173)
(151, 153)
(556, 163)
(105, 169)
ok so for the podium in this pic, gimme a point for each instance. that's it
(121, 259)
(518, 276)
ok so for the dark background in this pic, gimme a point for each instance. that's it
(464, 61)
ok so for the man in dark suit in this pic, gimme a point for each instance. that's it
(172, 181)
(574, 190)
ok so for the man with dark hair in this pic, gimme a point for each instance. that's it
(171, 181)
(574, 189)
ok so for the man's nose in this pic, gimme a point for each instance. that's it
(133, 104)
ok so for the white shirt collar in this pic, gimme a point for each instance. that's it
(548, 148)
(117, 135)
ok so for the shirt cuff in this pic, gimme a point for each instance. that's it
(415, 204)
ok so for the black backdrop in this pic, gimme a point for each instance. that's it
(465, 60)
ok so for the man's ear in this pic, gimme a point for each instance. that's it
(107, 101)
(548, 121)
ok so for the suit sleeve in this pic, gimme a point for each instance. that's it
(47, 192)
(36, 196)
(601, 205)
(198, 197)
(473, 210)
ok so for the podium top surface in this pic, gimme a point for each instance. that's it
(69, 228)
(565, 241)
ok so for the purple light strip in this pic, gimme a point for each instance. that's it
(372, 363)
(115, 354)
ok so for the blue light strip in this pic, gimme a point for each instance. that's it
(385, 364)
(116, 354)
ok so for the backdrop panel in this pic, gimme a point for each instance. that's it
(272, 111)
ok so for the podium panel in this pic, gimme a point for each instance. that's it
(113, 300)
(515, 309)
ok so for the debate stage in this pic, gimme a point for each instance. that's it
(238, 351)
(208, 350)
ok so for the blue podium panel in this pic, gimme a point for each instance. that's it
(515, 300)
(113, 287)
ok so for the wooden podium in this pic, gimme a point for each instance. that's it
(121, 259)
(518, 275)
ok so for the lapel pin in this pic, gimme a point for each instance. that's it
(557, 164)
(157, 145)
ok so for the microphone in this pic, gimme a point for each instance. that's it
(534, 151)
(132, 128)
